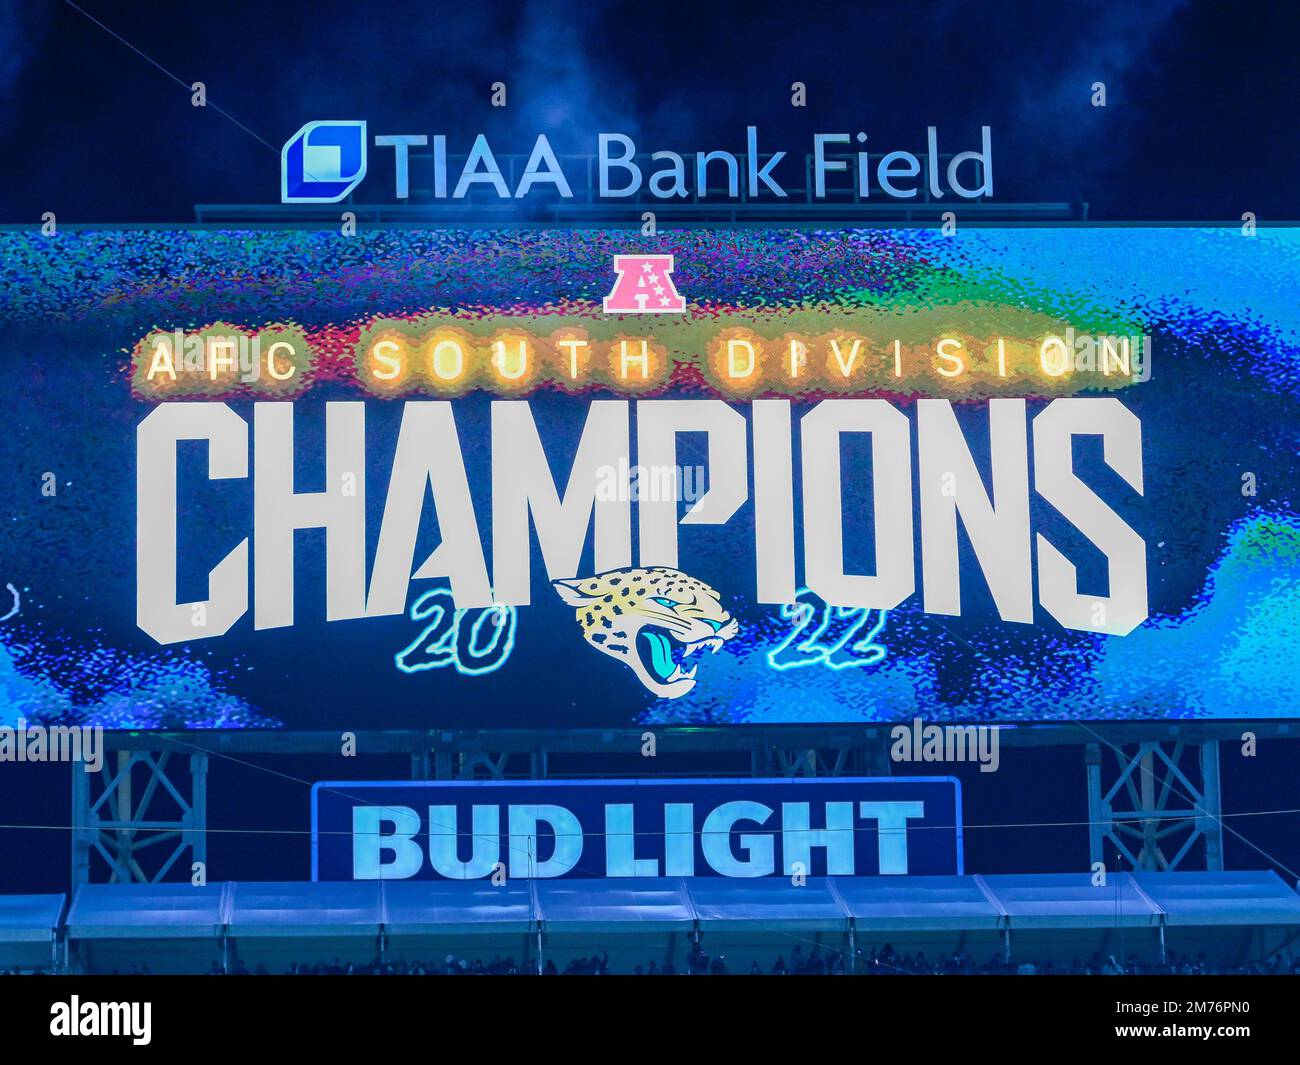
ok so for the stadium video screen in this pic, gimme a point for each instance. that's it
(572, 479)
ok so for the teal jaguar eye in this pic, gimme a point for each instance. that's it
(663, 602)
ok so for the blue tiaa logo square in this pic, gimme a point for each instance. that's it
(323, 162)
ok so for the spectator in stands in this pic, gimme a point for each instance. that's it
(817, 961)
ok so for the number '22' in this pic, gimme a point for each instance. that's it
(838, 637)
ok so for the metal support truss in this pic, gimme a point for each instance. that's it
(139, 816)
(870, 760)
(1162, 801)
(483, 765)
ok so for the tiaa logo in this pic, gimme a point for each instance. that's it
(323, 162)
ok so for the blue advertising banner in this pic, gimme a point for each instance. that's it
(472, 830)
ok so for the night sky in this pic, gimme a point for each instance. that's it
(1199, 121)
(1199, 125)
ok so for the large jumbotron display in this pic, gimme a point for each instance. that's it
(558, 479)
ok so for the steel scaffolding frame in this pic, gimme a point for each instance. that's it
(1155, 810)
(108, 820)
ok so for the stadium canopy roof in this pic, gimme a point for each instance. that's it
(147, 911)
(919, 903)
(1220, 899)
(768, 903)
(300, 909)
(895, 903)
(1071, 900)
(30, 918)
(631, 905)
(457, 907)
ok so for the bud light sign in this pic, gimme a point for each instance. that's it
(498, 830)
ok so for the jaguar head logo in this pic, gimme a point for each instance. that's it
(656, 621)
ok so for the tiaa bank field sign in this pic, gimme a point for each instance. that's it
(476, 830)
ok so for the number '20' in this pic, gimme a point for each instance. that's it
(473, 641)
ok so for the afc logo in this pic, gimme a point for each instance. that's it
(644, 286)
